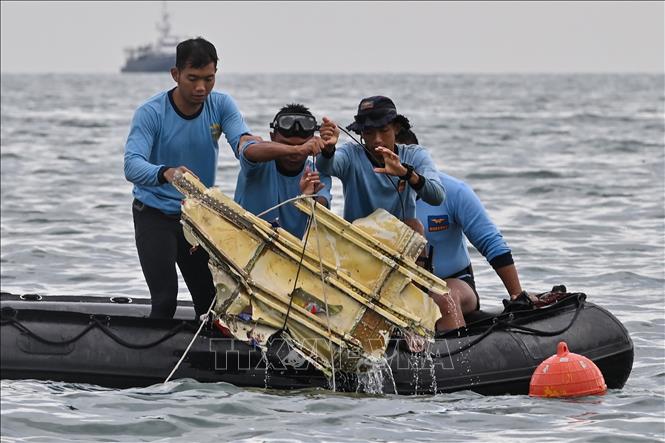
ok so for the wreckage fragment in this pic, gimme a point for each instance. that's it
(355, 282)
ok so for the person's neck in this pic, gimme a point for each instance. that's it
(183, 106)
(282, 169)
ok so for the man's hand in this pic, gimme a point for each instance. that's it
(329, 133)
(310, 182)
(522, 302)
(171, 173)
(312, 147)
(392, 163)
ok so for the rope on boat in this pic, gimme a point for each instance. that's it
(8, 317)
(204, 320)
(95, 323)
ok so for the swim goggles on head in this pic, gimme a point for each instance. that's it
(295, 124)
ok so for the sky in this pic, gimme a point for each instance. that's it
(348, 37)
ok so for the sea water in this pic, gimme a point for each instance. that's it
(571, 168)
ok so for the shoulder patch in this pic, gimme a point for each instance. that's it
(215, 131)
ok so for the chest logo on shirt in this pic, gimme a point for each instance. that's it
(215, 131)
(437, 223)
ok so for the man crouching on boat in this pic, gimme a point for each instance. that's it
(461, 215)
(272, 173)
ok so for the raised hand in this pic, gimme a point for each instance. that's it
(391, 161)
(329, 132)
(312, 146)
(310, 182)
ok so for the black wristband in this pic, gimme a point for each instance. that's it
(419, 184)
(409, 172)
(160, 174)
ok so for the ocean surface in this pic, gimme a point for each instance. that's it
(571, 167)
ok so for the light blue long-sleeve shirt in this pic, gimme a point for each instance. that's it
(365, 190)
(161, 136)
(261, 186)
(462, 214)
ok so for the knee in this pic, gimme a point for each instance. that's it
(446, 302)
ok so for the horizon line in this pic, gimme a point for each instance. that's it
(617, 72)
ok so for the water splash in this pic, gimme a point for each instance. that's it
(372, 375)
(432, 370)
(414, 361)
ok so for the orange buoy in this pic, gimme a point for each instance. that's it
(566, 375)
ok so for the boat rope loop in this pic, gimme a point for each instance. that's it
(94, 323)
(499, 323)
(204, 319)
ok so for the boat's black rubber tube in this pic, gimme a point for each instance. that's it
(509, 324)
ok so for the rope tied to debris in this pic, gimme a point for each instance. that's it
(204, 319)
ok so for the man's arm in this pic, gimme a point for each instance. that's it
(331, 162)
(264, 151)
(235, 129)
(140, 141)
(427, 184)
(510, 279)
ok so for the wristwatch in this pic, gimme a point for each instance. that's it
(161, 178)
(409, 172)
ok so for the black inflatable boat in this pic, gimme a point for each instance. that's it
(111, 342)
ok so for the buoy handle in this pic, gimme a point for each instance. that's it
(562, 349)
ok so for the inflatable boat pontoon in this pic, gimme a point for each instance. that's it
(112, 342)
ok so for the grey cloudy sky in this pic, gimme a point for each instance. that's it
(345, 36)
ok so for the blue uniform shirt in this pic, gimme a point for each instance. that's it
(365, 190)
(161, 136)
(261, 186)
(446, 225)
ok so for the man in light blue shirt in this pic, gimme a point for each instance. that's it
(274, 173)
(178, 130)
(446, 226)
(371, 173)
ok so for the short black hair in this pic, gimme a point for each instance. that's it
(293, 108)
(297, 130)
(195, 52)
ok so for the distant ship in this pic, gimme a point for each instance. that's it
(157, 57)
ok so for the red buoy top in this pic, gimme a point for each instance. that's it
(566, 375)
